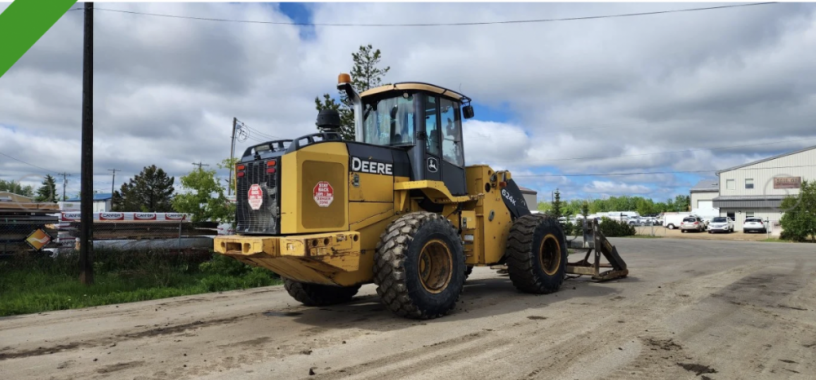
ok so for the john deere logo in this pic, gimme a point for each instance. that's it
(38, 239)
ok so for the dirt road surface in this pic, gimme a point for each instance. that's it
(688, 310)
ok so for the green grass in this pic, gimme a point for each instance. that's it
(46, 284)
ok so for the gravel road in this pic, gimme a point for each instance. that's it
(689, 310)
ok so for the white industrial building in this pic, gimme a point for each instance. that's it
(530, 196)
(756, 189)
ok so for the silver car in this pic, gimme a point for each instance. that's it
(721, 224)
(692, 223)
(753, 225)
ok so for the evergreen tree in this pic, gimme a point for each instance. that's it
(365, 74)
(556, 205)
(48, 191)
(149, 191)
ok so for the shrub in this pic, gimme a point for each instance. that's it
(614, 228)
(799, 221)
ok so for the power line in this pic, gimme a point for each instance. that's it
(200, 164)
(27, 163)
(646, 173)
(675, 151)
(473, 23)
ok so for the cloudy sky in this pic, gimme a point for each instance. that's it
(561, 104)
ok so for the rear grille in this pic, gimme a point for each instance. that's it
(266, 219)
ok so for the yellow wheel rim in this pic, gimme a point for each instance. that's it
(435, 266)
(550, 254)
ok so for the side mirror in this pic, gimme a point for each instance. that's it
(467, 111)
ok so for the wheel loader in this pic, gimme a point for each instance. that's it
(397, 207)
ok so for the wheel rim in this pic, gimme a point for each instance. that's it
(550, 254)
(435, 266)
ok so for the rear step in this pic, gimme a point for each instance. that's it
(593, 238)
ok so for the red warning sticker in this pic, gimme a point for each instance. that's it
(323, 194)
(255, 196)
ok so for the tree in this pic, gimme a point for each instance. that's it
(204, 198)
(681, 203)
(229, 163)
(799, 220)
(585, 209)
(544, 207)
(16, 188)
(149, 191)
(556, 205)
(48, 191)
(365, 74)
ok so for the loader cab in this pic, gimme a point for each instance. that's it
(426, 122)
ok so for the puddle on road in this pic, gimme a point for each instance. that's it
(281, 314)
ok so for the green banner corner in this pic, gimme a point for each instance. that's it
(23, 23)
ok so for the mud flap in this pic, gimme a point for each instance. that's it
(598, 242)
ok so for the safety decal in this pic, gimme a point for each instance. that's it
(323, 194)
(255, 196)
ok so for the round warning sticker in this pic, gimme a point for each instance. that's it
(255, 196)
(323, 194)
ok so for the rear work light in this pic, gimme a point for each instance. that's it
(239, 170)
(269, 166)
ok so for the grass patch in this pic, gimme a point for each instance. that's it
(37, 284)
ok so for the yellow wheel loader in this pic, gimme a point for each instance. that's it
(397, 207)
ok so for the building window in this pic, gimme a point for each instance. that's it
(749, 183)
(749, 214)
(730, 185)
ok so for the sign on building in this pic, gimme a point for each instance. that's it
(787, 182)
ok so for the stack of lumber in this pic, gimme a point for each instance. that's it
(19, 220)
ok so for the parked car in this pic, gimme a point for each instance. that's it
(692, 223)
(721, 224)
(753, 225)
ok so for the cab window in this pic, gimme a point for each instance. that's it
(451, 132)
(431, 128)
(389, 121)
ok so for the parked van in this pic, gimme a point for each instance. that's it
(672, 220)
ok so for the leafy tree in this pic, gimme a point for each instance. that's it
(16, 188)
(204, 198)
(544, 207)
(799, 220)
(229, 163)
(149, 191)
(557, 212)
(585, 209)
(365, 74)
(48, 191)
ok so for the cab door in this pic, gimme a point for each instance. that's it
(433, 145)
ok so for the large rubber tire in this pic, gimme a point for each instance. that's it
(319, 295)
(536, 254)
(401, 284)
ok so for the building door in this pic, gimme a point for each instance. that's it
(705, 204)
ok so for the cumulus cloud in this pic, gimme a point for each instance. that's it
(596, 96)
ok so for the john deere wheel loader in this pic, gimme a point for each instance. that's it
(397, 207)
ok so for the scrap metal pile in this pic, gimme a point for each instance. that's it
(27, 226)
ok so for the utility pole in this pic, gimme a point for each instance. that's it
(199, 164)
(64, 183)
(232, 153)
(113, 181)
(86, 191)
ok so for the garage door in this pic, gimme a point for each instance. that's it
(705, 204)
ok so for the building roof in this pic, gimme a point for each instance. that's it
(749, 201)
(526, 190)
(706, 185)
(766, 159)
(96, 197)
(10, 195)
